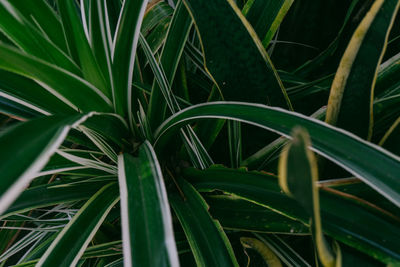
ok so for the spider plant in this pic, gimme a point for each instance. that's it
(160, 133)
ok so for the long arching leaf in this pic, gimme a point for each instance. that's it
(341, 216)
(352, 92)
(72, 241)
(343, 148)
(21, 31)
(73, 91)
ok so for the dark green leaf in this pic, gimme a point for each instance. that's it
(350, 100)
(343, 148)
(228, 40)
(341, 217)
(73, 90)
(72, 241)
(208, 242)
(124, 51)
(146, 219)
(31, 144)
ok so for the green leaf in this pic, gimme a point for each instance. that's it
(237, 214)
(298, 175)
(100, 38)
(31, 144)
(111, 126)
(48, 21)
(124, 51)
(228, 40)
(341, 216)
(235, 143)
(208, 242)
(26, 92)
(343, 148)
(172, 51)
(21, 31)
(387, 75)
(51, 194)
(266, 16)
(352, 91)
(78, 44)
(147, 232)
(102, 250)
(72, 241)
(195, 149)
(264, 155)
(156, 13)
(73, 91)
(15, 108)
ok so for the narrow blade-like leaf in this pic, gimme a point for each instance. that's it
(343, 148)
(72, 241)
(124, 51)
(352, 92)
(208, 242)
(73, 90)
(147, 233)
(31, 145)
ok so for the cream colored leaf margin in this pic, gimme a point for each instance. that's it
(301, 137)
(31, 172)
(346, 63)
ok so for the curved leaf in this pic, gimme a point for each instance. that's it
(343, 148)
(266, 16)
(238, 214)
(28, 91)
(31, 144)
(351, 97)
(21, 31)
(208, 242)
(52, 194)
(124, 51)
(172, 51)
(73, 90)
(46, 18)
(298, 175)
(72, 241)
(341, 217)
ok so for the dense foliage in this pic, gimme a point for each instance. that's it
(199, 133)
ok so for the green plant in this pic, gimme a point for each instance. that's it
(113, 112)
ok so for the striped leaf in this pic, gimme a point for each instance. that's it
(352, 92)
(147, 233)
(31, 145)
(72, 241)
(343, 148)
(73, 91)
(209, 244)
(124, 51)
(298, 175)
